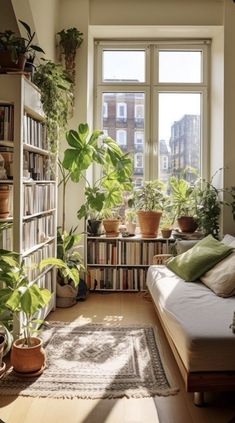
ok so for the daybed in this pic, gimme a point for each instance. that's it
(197, 323)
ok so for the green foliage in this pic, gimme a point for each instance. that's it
(70, 40)
(69, 260)
(182, 197)
(18, 294)
(149, 197)
(9, 41)
(86, 150)
(56, 97)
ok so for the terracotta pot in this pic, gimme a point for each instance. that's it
(7, 63)
(4, 201)
(149, 223)
(187, 224)
(166, 233)
(26, 359)
(111, 226)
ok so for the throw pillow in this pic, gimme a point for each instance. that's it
(229, 240)
(192, 264)
(221, 278)
(184, 245)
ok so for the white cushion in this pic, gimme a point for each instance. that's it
(228, 239)
(221, 278)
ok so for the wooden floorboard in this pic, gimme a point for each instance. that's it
(118, 309)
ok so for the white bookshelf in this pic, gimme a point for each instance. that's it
(121, 263)
(34, 198)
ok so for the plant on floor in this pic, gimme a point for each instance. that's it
(56, 97)
(23, 299)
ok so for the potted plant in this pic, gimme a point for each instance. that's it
(70, 41)
(69, 264)
(57, 97)
(14, 49)
(130, 219)
(210, 203)
(23, 299)
(149, 201)
(106, 193)
(184, 204)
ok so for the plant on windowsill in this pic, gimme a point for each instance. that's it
(184, 204)
(107, 191)
(23, 299)
(149, 201)
(130, 219)
(210, 204)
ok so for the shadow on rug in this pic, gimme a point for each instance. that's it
(95, 361)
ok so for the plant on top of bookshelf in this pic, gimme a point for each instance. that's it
(14, 50)
(149, 201)
(86, 150)
(56, 97)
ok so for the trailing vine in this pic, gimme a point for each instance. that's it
(57, 98)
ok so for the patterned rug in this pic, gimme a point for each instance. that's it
(95, 361)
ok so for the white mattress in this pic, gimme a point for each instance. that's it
(196, 319)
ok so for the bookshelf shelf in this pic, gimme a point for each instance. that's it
(28, 164)
(121, 263)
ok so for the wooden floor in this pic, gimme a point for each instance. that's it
(108, 309)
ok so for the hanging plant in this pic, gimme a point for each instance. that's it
(70, 41)
(56, 97)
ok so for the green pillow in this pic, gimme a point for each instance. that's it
(199, 259)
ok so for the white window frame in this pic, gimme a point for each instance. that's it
(137, 155)
(136, 138)
(105, 110)
(118, 133)
(119, 107)
(151, 89)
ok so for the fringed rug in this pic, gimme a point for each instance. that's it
(95, 361)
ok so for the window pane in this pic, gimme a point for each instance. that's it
(179, 135)
(124, 124)
(123, 66)
(180, 66)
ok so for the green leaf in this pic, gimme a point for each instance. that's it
(37, 48)
(27, 28)
(73, 139)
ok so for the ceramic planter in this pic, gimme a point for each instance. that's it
(111, 227)
(28, 360)
(7, 63)
(149, 223)
(131, 227)
(187, 224)
(166, 233)
(94, 227)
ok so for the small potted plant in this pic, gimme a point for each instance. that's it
(24, 300)
(184, 204)
(130, 218)
(70, 41)
(149, 202)
(14, 49)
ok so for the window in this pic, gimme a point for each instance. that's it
(121, 137)
(105, 110)
(156, 93)
(121, 111)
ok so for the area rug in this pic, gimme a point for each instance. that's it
(95, 361)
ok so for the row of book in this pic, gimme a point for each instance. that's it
(38, 198)
(6, 122)
(6, 238)
(34, 133)
(37, 231)
(124, 252)
(31, 262)
(37, 166)
(117, 278)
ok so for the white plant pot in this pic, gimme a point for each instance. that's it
(131, 227)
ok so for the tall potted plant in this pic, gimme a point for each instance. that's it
(24, 299)
(115, 178)
(149, 201)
